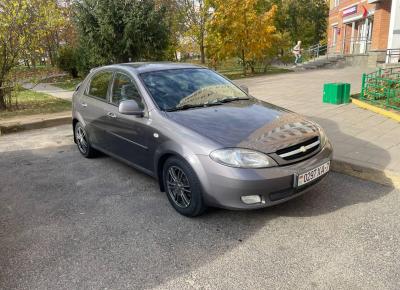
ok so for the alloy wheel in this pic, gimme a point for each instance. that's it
(81, 140)
(178, 187)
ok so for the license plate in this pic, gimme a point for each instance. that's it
(313, 174)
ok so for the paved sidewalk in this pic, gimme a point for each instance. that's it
(51, 90)
(360, 137)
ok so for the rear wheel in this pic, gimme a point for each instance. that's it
(183, 187)
(82, 141)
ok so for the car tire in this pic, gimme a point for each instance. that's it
(82, 141)
(187, 185)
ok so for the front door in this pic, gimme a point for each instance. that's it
(128, 136)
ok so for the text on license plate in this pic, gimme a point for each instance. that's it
(313, 174)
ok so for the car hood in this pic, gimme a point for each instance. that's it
(247, 124)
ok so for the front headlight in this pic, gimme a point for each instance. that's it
(242, 158)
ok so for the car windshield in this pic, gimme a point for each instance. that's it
(179, 89)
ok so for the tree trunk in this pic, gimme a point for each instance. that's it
(243, 62)
(202, 48)
(51, 57)
(202, 52)
(202, 31)
(3, 104)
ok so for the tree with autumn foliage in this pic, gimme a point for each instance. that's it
(29, 29)
(196, 14)
(303, 20)
(50, 21)
(238, 29)
(16, 28)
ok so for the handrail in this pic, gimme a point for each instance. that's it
(393, 55)
(317, 49)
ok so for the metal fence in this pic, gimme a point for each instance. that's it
(382, 87)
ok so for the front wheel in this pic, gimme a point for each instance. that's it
(183, 187)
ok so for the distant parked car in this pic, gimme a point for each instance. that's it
(206, 140)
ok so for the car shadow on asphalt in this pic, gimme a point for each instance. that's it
(67, 220)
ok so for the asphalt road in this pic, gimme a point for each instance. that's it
(71, 223)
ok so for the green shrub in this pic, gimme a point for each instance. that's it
(68, 60)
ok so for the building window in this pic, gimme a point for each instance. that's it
(336, 3)
(334, 35)
(370, 24)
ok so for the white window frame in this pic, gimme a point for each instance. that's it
(334, 35)
(336, 3)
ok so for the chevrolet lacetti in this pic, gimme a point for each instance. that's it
(205, 139)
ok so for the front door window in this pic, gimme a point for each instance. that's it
(124, 89)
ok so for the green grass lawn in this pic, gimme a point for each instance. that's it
(68, 84)
(27, 102)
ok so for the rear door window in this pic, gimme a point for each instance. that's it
(99, 85)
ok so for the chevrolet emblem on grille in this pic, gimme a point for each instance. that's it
(303, 149)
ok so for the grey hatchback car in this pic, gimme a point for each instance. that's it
(206, 140)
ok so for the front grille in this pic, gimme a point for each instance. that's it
(299, 150)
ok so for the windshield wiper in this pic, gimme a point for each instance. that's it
(190, 106)
(214, 102)
(227, 100)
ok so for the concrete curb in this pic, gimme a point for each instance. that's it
(45, 123)
(375, 109)
(384, 177)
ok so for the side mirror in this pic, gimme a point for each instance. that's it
(130, 107)
(244, 88)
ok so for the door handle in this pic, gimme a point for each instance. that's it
(111, 115)
(84, 105)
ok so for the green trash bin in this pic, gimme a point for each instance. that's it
(346, 93)
(333, 93)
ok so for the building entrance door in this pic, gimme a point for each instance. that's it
(364, 28)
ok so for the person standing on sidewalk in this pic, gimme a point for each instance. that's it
(297, 52)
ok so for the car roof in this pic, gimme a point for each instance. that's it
(141, 67)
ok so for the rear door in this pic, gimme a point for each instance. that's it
(92, 106)
(128, 135)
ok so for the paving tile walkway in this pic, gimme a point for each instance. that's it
(359, 136)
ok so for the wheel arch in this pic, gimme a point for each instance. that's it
(190, 158)
(75, 119)
(74, 122)
(160, 166)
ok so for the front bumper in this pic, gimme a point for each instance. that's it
(224, 186)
